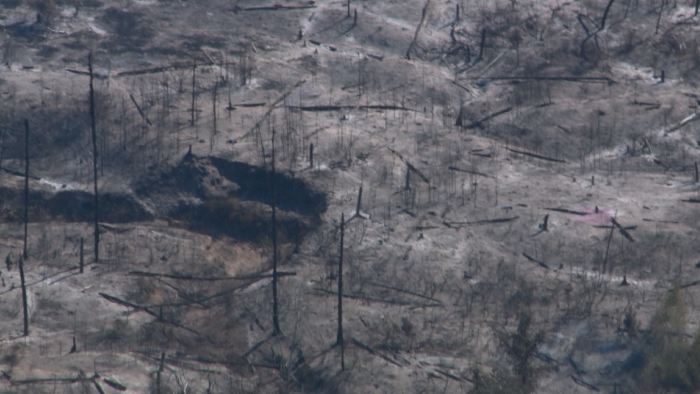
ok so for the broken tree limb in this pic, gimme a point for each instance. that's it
(328, 108)
(373, 352)
(272, 106)
(535, 155)
(364, 297)
(479, 122)
(624, 232)
(479, 222)
(424, 13)
(569, 211)
(119, 301)
(685, 121)
(594, 34)
(410, 166)
(208, 278)
(275, 7)
(534, 260)
(607, 80)
(404, 291)
(466, 171)
(138, 108)
(583, 383)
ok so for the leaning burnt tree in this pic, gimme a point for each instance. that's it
(26, 220)
(275, 312)
(94, 160)
(340, 341)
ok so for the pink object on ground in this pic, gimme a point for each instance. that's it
(602, 217)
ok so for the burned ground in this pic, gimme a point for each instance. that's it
(494, 143)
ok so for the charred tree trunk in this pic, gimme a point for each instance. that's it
(26, 217)
(275, 312)
(697, 7)
(482, 44)
(697, 176)
(214, 104)
(82, 260)
(348, 4)
(311, 156)
(194, 80)
(94, 160)
(339, 338)
(23, 283)
(26, 185)
(607, 248)
(358, 208)
(159, 372)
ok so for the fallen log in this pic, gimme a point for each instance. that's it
(550, 78)
(479, 222)
(457, 169)
(685, 121)
(138, 108)
(622, 230)
(364, 297)
(207, 278)
(404, 291)
(569, 211)
(534, 260)
(374, 352)
(275, 7)
(140, 308)
(86, 73)
(424, 13)
(489, 117)
(583, 383)
(535, 155)
(410, 166)
(272, 106)
(329, 108)
(248, 105)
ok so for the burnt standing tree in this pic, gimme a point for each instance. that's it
(26, 220)
(94, 160)
(339, 337)
(26, 185)
(275, 313)
(194, 90)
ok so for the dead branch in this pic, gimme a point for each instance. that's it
(534, 260)
(569, 211)
(623, 231)
(328, 108)
(583, 383)
(275, 7)
(478, 123)
(457, 169)
(410, 166)
(143, 116)
(272, 106)
(424, 13)
(535, 155)
(404, 291)
(256, 276)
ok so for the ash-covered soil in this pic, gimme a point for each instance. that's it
(518, 181)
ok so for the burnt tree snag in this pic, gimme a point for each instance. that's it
(82, 260)
(194, 91)
(275, 312)
(339, 337)
(424, 13)
(26, 185)
(23, 283)
(94, 160)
